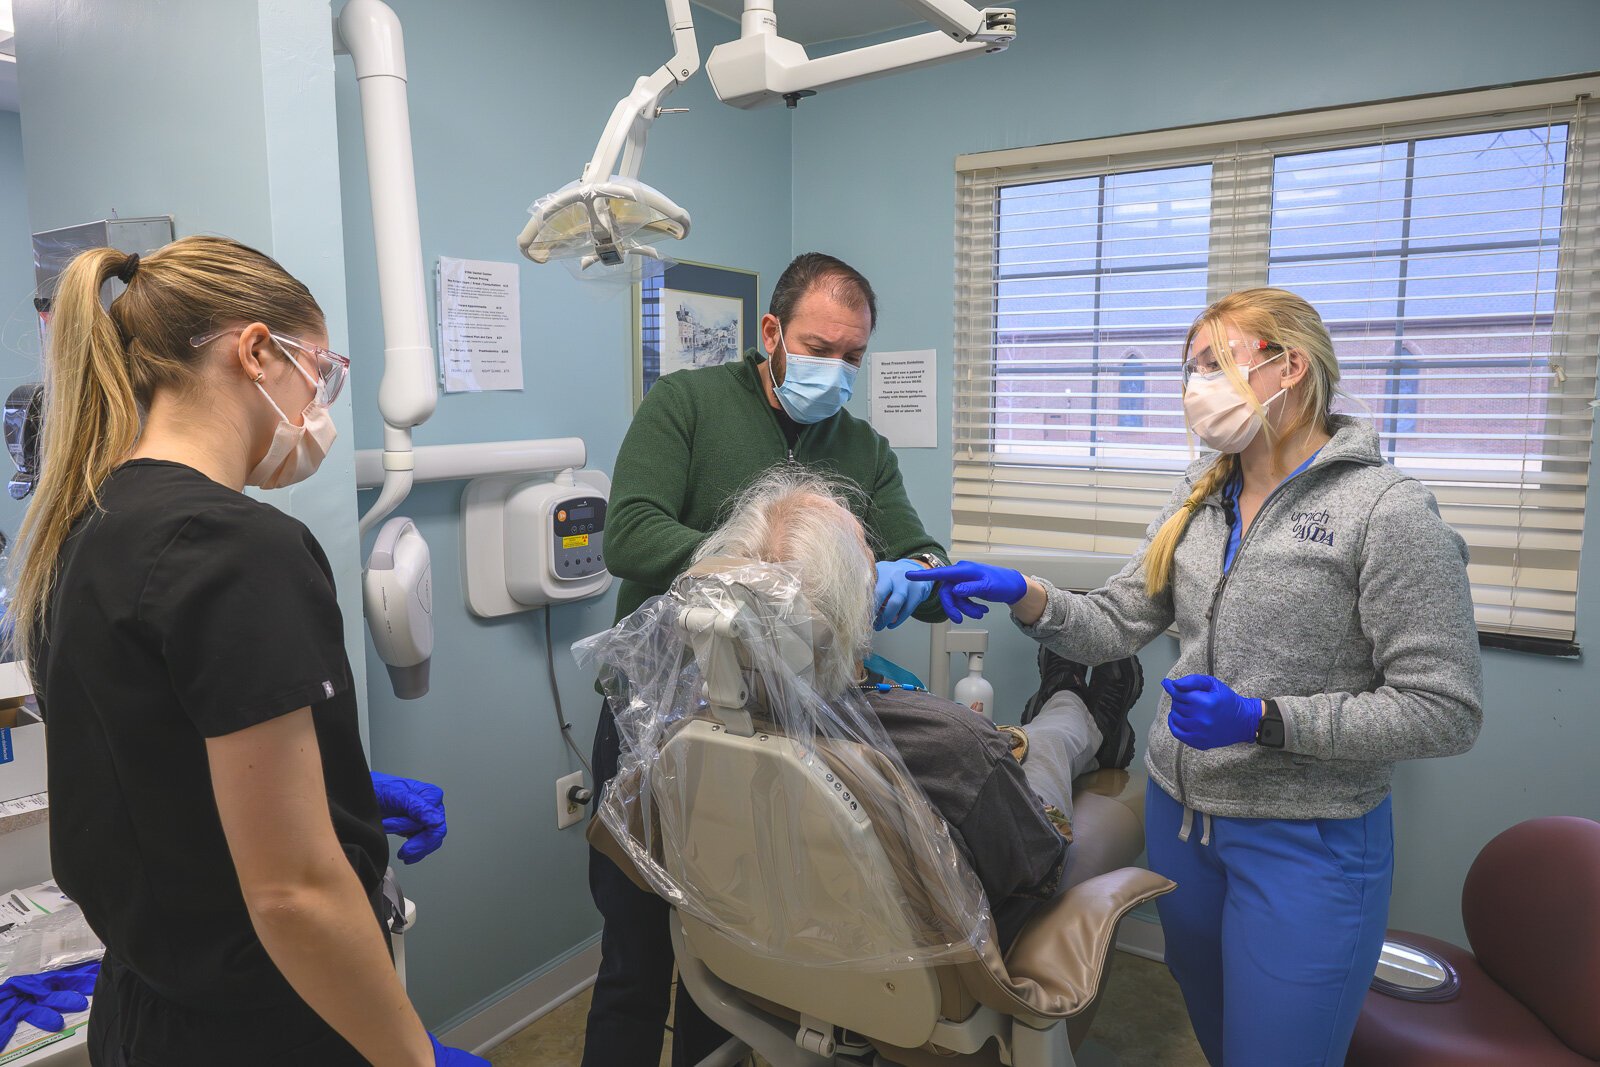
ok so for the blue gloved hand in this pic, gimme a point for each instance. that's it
(963, 584)
(42, 1000)
(454, 1057)
(1205, 713)
(897, 598)
(414, 810)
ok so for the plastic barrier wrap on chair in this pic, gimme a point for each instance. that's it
(743, 797)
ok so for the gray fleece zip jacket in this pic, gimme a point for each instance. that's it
(1347, 603)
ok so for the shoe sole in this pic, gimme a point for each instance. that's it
(1121, 750)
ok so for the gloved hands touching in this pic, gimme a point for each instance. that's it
(412, 809)
(896, 597)
(963, 584)
(454, 1057)
(1205, 713)
(42, 1000)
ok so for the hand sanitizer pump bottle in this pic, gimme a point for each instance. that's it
(974, 690)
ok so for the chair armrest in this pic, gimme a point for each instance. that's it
(1055, 968)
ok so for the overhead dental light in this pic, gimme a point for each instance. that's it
(609, 214)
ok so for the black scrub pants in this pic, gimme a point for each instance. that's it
(628, 1015)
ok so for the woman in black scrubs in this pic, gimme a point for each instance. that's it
(211, 809)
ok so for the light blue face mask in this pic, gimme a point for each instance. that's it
(814, 387)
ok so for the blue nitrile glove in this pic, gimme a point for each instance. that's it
(1205, 713)
(963, 584)
(454, 1057)
(897, 598)
(414, 810)
(42, 1000)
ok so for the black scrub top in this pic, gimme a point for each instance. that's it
(183, 610)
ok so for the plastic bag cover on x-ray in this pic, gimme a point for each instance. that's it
(806, 842)
(638, 215)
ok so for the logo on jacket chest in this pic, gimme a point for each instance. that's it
(1312, 526)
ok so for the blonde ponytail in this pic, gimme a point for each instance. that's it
(92, 420)
(1158, 557)
(103, 366)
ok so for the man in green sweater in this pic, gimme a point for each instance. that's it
(700, 437)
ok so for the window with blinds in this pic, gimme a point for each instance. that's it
(1454, 261)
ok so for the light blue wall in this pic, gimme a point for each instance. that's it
(19, 331)
(874, 183)
(220, 115)
(507, 100)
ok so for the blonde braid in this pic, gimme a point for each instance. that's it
(1158, 557)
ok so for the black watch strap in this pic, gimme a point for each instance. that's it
(1270, 733)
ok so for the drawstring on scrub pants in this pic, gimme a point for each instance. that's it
(1188, 825)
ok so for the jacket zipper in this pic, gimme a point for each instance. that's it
(776, 425)
(1216, 601)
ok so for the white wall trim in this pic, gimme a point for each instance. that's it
(1142, 936)
(1299, 123)
(502, 1017)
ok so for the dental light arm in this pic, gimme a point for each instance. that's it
(761, 68)
(608, 213)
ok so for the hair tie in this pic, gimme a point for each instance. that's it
(129, 265)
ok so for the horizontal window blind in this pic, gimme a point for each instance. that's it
(1455, 263)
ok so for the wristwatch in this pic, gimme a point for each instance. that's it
(928, 559)
(1270, 733)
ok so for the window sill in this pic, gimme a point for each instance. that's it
(1533, 646)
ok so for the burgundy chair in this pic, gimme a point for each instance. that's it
(1530, 987)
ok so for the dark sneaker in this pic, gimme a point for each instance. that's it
(1113, 689)
(1055, 674)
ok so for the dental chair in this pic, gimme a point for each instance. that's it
(816, 915)
(1529, 989)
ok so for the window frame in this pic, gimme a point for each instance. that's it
(1238, 256)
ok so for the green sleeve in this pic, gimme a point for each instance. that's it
(645, 542)
(897, 528)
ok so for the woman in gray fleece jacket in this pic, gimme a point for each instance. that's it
(1325, 630)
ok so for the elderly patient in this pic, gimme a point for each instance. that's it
(1006, 792)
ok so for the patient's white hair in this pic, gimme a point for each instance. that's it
(792, 516)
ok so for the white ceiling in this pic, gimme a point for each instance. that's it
(813, 21)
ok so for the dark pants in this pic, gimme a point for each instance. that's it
(628, 1015)
(130, 1026)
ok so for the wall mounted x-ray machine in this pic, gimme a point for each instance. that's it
(530, 541)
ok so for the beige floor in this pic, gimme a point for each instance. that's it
(1141, 1019)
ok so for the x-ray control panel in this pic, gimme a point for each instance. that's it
(578, 541)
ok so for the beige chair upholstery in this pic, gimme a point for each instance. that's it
(1037, 1001)
(834, 880)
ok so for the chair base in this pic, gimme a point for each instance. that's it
(994, 1039)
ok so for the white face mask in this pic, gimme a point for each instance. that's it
(1218, 415)
(296, 451)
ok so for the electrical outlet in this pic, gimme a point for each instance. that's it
(568, 812)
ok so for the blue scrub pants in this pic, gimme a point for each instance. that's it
(1274, 931)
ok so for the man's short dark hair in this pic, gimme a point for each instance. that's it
(813, 270)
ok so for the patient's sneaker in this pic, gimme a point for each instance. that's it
(1113, 689)
(1055, 674)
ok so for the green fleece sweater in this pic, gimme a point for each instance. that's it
(700, 437)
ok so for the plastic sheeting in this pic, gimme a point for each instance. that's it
(785, 822)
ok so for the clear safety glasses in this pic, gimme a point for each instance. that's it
(332, 368)
(1205, 364)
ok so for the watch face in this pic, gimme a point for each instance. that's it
(1271, 733)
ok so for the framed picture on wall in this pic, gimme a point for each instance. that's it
(691, 315)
